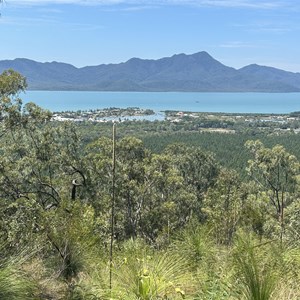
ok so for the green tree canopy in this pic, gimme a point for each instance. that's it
(276, 172)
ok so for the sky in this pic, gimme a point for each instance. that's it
(92, 32)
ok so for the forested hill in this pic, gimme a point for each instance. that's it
(198, 72)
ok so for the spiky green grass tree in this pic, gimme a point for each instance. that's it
(255, 268)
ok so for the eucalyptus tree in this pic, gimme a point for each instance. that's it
(151, 196)
(276, 172)
(38, 160)
(170, 203)
(129, 180)
(199, 171)
(224, 204)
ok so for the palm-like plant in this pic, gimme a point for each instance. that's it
(195, 244)
(144, 275)
(254, 269)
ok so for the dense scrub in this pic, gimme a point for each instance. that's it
(185, 224)
(228, 147)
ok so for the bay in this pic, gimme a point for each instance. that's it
(58, 101)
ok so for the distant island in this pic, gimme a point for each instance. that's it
(197, 72)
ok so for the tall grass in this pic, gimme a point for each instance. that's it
(14, 283)
(289, 267)
(148, 275)
(159, 277)
(254, 268)
(195, 244)
(140, 273)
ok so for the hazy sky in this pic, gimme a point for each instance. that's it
(92, 32)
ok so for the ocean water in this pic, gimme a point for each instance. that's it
(58, 101)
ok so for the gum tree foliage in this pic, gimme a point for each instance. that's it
(198, 169)
(42, 183)
(224, 204)
(277, 173)
(169, 201)
(154, 192)
(130, 156)
(38, 161)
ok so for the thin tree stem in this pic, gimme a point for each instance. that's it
(112, 207)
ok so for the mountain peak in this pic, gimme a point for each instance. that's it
(202, 54)
(198, 72)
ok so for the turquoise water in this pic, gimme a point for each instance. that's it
(197, 102)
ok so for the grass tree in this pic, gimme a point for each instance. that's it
(255, 268)
(147, 275)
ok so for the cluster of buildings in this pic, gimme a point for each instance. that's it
(102, 115)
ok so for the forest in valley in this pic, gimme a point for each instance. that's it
(119, 213)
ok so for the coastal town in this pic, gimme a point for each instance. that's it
(191, 121)
(229, 122)
(103, 115)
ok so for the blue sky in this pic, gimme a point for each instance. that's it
(92, 32)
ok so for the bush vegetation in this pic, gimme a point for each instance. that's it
(186, 224)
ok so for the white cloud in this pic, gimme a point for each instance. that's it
(238, 3)
(237, 44)
(50, 10)
(79, 2)
(24, 22)
(271, 27)
(255, 4)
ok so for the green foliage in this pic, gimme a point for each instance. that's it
(148, 186)
(37, 164)
(255, 268)
(69, 231)
(14, 282)
(288, 288)
(177, 211)
(14, 285)
(150, 276)
(198, 169)
(195, 244)
(224, 205)
(11, 83)
(292, 218)
(276, 172)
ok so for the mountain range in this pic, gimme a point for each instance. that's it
(197, 72)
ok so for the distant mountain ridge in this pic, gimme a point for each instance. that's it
(197, 72)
